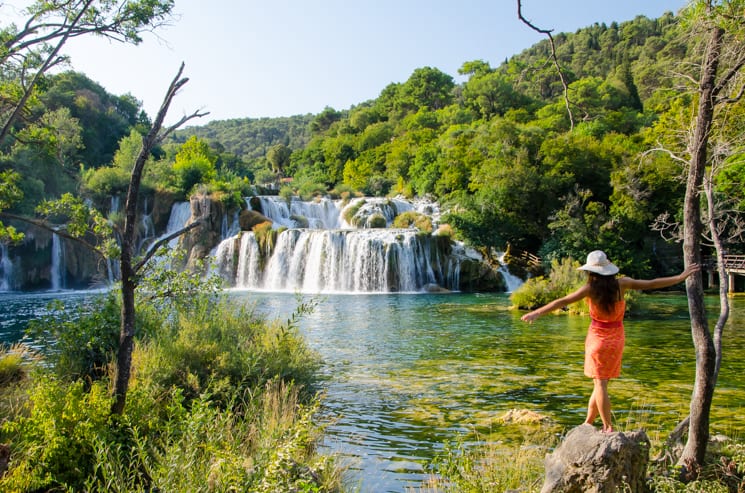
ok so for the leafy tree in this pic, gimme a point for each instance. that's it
(427, 87)
(279, 157)
(30, 51)
(194, 163)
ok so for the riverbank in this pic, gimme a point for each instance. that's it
(220, 398)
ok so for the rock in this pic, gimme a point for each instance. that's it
(589, 461)
(434, 288)
(248, 219)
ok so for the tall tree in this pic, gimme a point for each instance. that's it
(29, 51)
(130, 268)
(721, 82)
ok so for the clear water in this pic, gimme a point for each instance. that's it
(406, 373)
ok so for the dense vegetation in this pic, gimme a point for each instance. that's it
(222, 400)
(499, 150)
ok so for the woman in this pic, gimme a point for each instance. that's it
(605, 337)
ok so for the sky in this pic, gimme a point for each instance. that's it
(272, 58)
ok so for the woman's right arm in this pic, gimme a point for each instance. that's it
(557, 303)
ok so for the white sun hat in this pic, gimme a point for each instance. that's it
(598, 263)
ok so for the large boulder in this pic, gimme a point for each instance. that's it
(590, 461)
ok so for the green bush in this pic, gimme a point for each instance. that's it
(219, 398)
(412, 218)
(352, 210)
(104, 182)
(81, 345)
(15, 363)
(217, 342)
(52, 445)
(563, 279)
(377, 221)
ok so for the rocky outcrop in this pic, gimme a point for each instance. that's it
(199, 241)
(478, 276)
(248, 219)
(589, 461)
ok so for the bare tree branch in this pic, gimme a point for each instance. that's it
(555, 60)
(152, 249)
(56, 230)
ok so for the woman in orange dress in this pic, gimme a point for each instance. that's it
(605, 336)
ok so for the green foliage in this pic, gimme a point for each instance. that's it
(215, 342)
(563, 279)
(377, 221)
(194, 164)
(81, 219)
(412, 218)
(16, 362)
(81, 346)
(105, 182)
(9, 194)
(53, 444)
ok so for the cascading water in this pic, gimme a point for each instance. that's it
(324, 258)
(513, 282)
(57, 269)
(6, 269)
(180, 214)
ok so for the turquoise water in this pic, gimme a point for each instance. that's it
(406, 373)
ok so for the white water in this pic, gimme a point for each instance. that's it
(180, 214)
(333, 256)
(57, 269)
(513, 282)
(338, 261)
(6, 269)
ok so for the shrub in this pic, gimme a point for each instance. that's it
(412, 218)
(563, 279)
(53, 444)
(377, 221)
(15, 363)
(352, 210)
(210, 342)
(81, 345)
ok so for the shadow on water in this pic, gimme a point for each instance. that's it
(404, 374)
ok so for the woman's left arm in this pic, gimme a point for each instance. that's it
(658, 283)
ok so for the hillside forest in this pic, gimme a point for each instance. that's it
(510, 159)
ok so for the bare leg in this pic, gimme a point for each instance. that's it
(602, 401)
(592, 410)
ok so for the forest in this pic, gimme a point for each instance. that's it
(513, 161)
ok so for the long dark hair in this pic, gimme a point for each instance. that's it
(604, 291)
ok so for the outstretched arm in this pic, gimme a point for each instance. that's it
(556, 304)
(658, 283)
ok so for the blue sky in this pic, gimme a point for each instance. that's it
(248, 58)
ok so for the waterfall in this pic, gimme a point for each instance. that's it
(57, 270)
(340, 261)
(322, 213)
(513, 282)
(180, 214)
(6, 269)
(114, 204)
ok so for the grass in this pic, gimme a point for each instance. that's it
(490, 465)
(220, 400)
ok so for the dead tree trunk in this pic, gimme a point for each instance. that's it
(128, 268)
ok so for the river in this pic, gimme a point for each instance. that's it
(404, 374)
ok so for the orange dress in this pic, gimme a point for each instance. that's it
(604, 342)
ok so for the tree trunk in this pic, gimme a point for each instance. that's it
(703, 388)
(128, 268)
